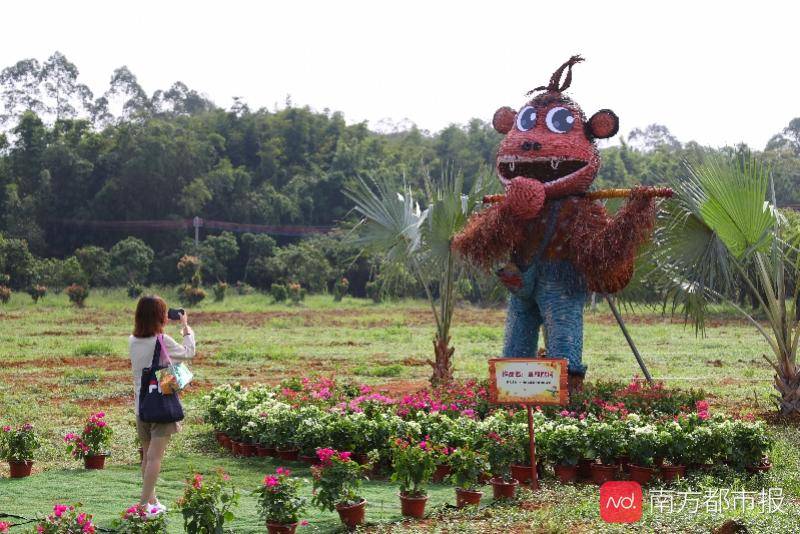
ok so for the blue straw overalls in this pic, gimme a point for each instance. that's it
(553, 294)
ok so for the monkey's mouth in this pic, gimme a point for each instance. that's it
(545, 169)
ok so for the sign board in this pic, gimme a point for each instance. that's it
(531, 381)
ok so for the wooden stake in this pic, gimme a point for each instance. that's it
(532, 436)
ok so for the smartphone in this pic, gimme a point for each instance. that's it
(174, 314)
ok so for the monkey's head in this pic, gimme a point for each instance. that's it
(550, 141)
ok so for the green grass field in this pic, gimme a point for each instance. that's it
(59, 363)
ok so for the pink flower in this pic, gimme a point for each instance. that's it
(100, 415)
(702, 415)
(4, 526)
(27, 427)
(6, 428)
(39, 529)
(271, 481)
(198, 481)
(59, 509)
(702, 406)
(303, 523)
(345, 456)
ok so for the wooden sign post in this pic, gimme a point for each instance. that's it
(532, 382)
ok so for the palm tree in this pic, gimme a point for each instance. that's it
(722, 232)
(394, 224)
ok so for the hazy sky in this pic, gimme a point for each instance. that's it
(715, 72)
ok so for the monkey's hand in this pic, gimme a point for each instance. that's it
(525, 197)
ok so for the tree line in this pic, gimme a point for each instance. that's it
(66, 154)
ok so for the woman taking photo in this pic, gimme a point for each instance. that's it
(151, 318)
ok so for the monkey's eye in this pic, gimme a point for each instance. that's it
(559, 120)
(526, 118)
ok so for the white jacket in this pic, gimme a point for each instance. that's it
(141, 353)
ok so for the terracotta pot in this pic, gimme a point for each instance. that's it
(641, 474)
(270, 450)
(261, 452)
(226, 442)
(280, 528)
(585, 469)
(219, 436)
(290, 455)
(20, 469)
(502, 489)
(94, 461)
(442, 470)
(236, 448)
(603, 473)
(658, 461)
(361, 458)
(248, 449)
(413, 506)
(521, 473)
(467, 498)
(763, 467)
(670, 472)
(353, 515)
(566, 473)
(310, 459)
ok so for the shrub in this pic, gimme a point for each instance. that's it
(296, 293)
(501, 453)
(644, 443)
(66, 520)
(37, 292)
(188, 267)
(675, 443)
(130, 260)
(278, 498)
(468, 466)
(18, 445)
(135, 290)
(138, 519)
(374, 291)
(606, 441)
(94, 439)
(96, 263)
(5, 294)
(340, 289)
(747, 443)
(278, 292)
(313, 430)
(413, 464)
(567, 444)
(219, 291)
(191, 295)
(337, 481)
(243, 288)
(206, 505)
(78, 294)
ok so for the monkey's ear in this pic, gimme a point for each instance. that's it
(603, 124)
(503, 119)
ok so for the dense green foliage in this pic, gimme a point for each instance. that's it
(67, 155)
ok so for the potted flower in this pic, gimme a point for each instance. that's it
(337, 481)
(501, 454)
(606, 441)
(467, 468)
(441, 455)
(702, 447)
(414, 464)
(312, 434)
(284, 424)
(749, 444)
(17, 447)
(674, 446)
(206, 504)
(141, 519)
(66, 519)
(92, 443)
(567, 445)
(279, 501)
(644, 443)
